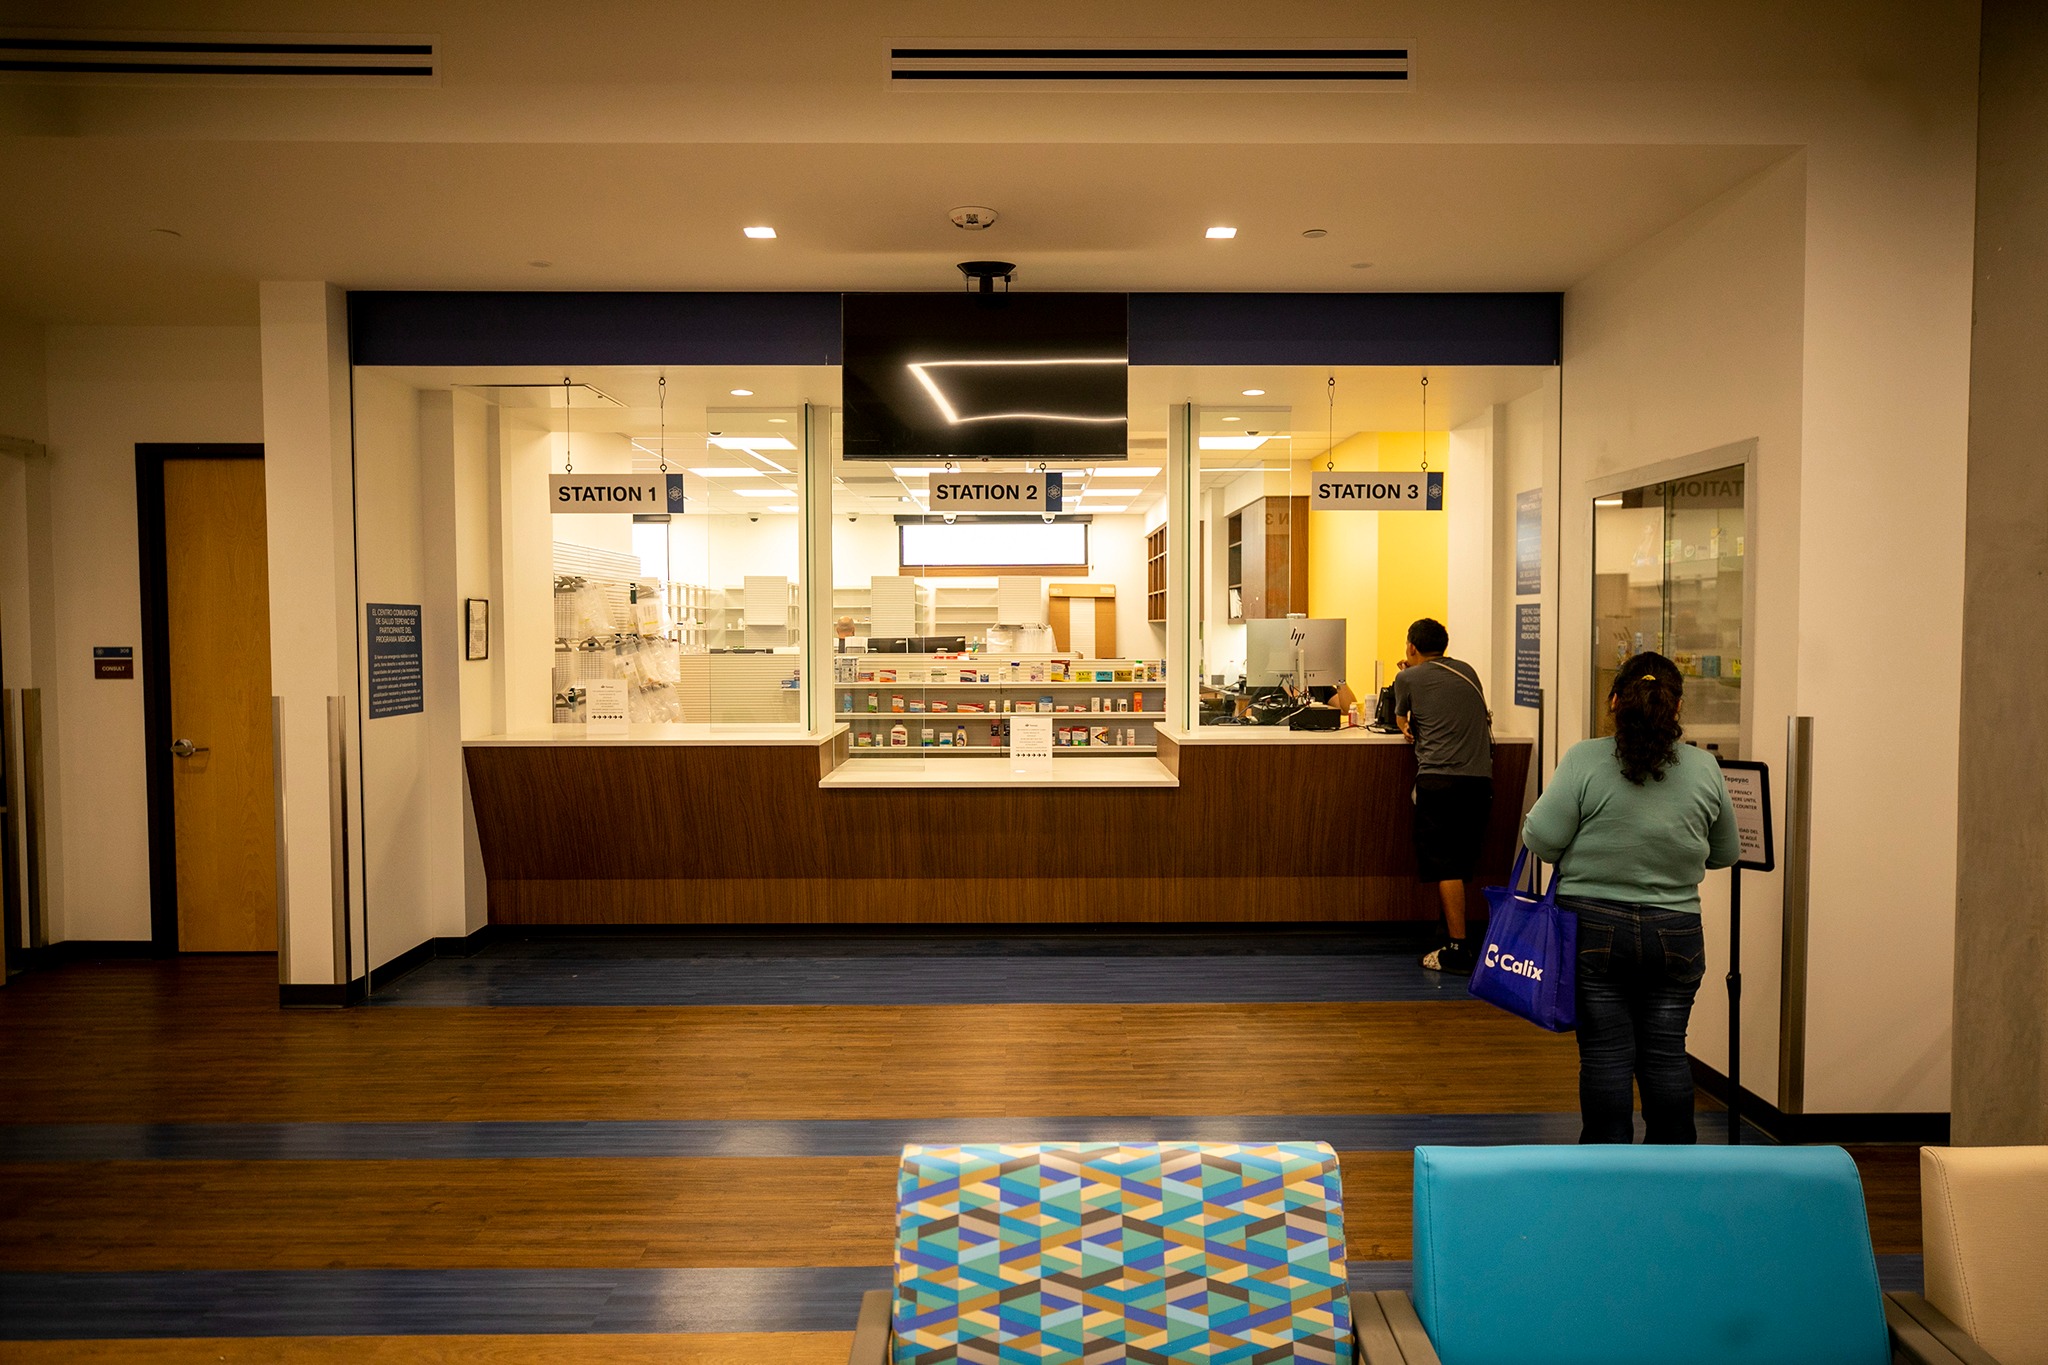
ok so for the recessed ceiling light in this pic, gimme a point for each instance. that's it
(730, 472)
(1220, 234)
(1233, 419)
(778, 421)
(750, 442)
(762, 492)
(741, 393)
(1095, 493)
(1607, 502)
(1255, 393)
(760, 234)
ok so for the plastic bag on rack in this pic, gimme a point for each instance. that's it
(593, 613)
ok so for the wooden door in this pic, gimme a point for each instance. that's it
(217, 587)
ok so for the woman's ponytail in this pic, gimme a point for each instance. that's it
(1646, 694)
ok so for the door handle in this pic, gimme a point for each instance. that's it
(185, 748)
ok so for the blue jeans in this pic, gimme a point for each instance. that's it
(1639, 969)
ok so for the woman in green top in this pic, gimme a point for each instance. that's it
(1633, 822)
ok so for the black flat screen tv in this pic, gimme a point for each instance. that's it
(962, 376)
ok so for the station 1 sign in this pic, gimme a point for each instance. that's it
(644, 493)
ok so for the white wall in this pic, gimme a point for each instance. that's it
(1469, 611)
(1717, 331)
(110, 388)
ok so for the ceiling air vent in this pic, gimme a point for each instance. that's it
(266, 59)
(1320, 66)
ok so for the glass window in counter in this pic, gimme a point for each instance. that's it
(1669, 566)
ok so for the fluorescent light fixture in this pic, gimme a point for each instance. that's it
(909, 472)
(1120, 507)
(762, 492)
(1131, 471)
(750, 443)
(742, 393)
(1607, 502)
(1233, 419)
(1233, 442)
(947, 411)
(1094, 492)
(1255, 393)
(1220, 234)
(786, 507)
(737, 471)
(760, 234)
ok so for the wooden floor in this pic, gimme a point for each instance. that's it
(383, 1131)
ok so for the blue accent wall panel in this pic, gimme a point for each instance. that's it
(575, 328)
(1346, 329)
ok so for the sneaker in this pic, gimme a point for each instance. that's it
(1452, 957)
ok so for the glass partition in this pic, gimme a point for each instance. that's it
(1670, 563)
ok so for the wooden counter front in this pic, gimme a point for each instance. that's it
(734, 834)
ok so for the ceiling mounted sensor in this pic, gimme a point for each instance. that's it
(1302, 64)
(982, 275)
(973, 217)
(101, 55)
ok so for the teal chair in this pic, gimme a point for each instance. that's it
(1639, 1256)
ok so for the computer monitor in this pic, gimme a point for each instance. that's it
(1294, 651)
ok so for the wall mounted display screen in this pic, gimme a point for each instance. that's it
(968, 375)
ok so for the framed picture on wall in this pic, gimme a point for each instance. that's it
(477, 635)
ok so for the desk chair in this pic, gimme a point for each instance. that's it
(1626, 1255)
(1145, 1251)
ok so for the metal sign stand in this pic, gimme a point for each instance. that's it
(1749, 789)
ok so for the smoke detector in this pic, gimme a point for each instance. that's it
(973, 217)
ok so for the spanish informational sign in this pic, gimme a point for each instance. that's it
(1749, 791)
(1030, 744)
(1347, 490)
(396, 678)
(644, 493)
(1528, 654)
(1529, 542)
(996, 492)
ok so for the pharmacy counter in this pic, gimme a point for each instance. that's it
(1230, 825)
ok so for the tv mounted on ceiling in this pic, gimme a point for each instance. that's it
(966, 376)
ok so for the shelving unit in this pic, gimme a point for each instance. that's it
(1233, 583)
(925, 680)
(1155, 574)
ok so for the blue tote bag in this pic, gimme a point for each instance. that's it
(1528, 961)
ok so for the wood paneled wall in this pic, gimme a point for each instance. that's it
(729, 835)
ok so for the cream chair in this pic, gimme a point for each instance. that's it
(1984, 1225)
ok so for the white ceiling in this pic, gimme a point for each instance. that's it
(1295, 409)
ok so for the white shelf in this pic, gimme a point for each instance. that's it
(994, 751)
(847, 717)
(956, 686)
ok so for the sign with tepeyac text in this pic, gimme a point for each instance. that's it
(1529, 542)
(643, 493)
(397, 679)
(1352, 490)
(1749, 791)
(604, 706)
(995, 492)
(1030, 744)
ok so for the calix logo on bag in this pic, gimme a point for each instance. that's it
(1507, 962)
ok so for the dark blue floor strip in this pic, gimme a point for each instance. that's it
(489, 979)
(456, 1141)
(257, 1303)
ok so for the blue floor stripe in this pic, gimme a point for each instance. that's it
(460, 1141)
(256, 1303)
(489, 979)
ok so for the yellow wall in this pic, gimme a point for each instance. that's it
(1380, 570)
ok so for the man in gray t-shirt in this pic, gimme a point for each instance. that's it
(1441, 707)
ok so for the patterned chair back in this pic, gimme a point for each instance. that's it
(1087, 1252)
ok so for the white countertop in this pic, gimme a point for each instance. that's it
(1280, 734)
(862, 774)
(711, 736)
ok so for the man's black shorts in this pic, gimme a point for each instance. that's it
(1450, 826)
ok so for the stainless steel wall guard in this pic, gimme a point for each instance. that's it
(1798, 867)
(337, 831)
